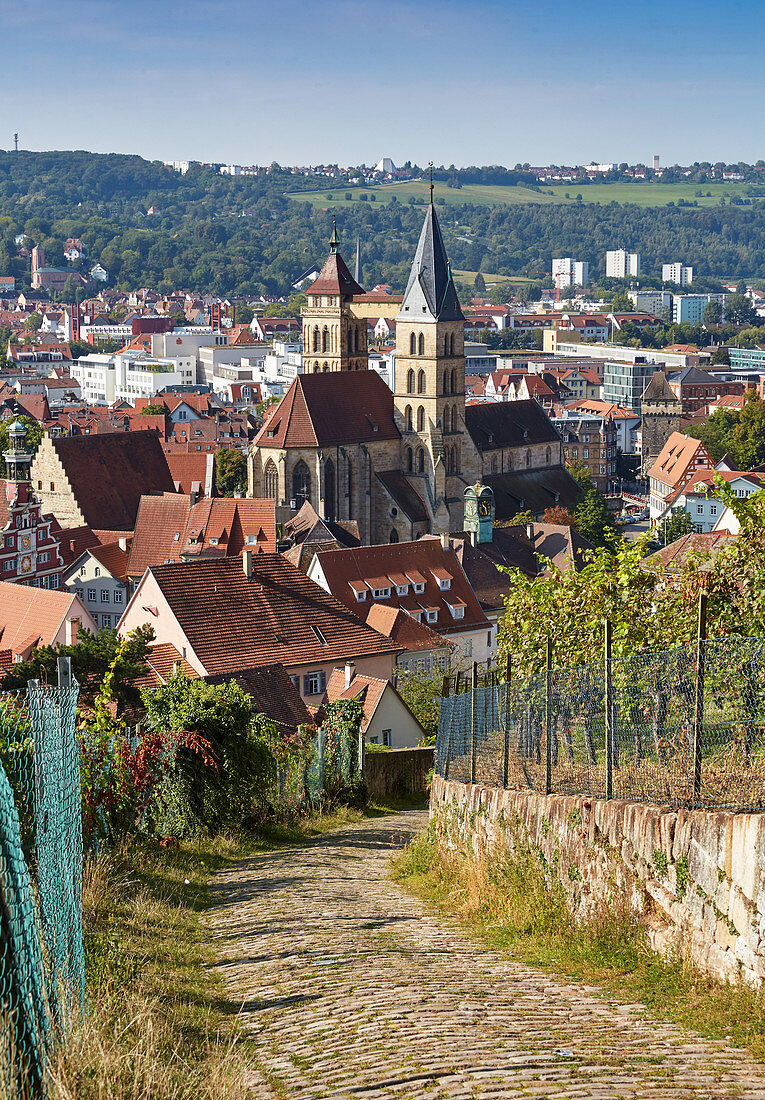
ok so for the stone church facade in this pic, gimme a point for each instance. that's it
(397, 463)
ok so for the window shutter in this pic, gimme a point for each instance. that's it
(322, 681)
(306, 685)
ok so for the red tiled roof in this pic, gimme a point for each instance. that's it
(420, 561)
(108, 474)
(334, 278)
(192, 471)
(33, 616)
(401, 628)
(331, 409)
(272, 693)
(161, 660)
(235, 622)
(112, 557)
(229, 521)
(371, 687)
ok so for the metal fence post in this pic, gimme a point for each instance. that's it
(445, 694)
(506, 746)
(609, 702)
(548, 717)
(64, 669)
(473, 732)
(698, 709)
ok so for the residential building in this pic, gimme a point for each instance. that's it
(569, 272)
(676, 273)
(127, 376)
(98, 480)
(230, 614)
(700, 500)
(271, 693)
(423, 578)
(625, 421)
(591, 442)
(176, 527)
(566, 346)
(422, 648)
(682, 460)
(625, 381)
(656, 302)
(622, 265)
(696, 389)
(661, 412)
(34, 617)
(688, 309)
(387, 720)
(98, 578)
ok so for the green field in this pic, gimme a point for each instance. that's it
(643, 194)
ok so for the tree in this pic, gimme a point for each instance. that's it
(230, 472)
(713, 313)
(620, 303)
(739, 310)
(32, 441)
(593, 520)
(749, 434)
(560, 516)
(479, 284)
(153, 410)
(501, 293)
(717, 433)
(92, 656)
(34, 320)
(520, 519)
(421, 692)
(679, 524)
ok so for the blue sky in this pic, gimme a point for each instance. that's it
(489, 81)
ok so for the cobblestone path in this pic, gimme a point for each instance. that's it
(352, 988)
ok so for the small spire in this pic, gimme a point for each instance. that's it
(333, 241)
(430, 166)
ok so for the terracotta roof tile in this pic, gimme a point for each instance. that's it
(112, 557)
(331, 409)
(30, 616)
(401, 628)
(235, 622)
(192, 471)
(335, 278)
(161, 660)
(371, 687)
(272, 693)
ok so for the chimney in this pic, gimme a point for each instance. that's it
(350, 669)
(71, 630)
(193, 497)
(247, 562)
(123, 543)
(445, 541)
(530, 532)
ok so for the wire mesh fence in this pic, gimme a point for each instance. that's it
(330, 766)
(684, 727)
(41, 948)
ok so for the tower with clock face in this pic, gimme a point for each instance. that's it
(479, 512)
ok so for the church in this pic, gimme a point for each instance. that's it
(398, 462)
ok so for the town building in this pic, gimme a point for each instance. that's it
(624, 381)
(569, 272)
(656, 302)
(591, 442)
(387, 720)
(661, 412)
(695, 389)
(423, 578)
(700, 500)
(622, 265)
(127, 376)
(676, 273)
(688, 309)
(230, 614)
(98, 578)
(33, 617)
(422, 648)
(681, 461)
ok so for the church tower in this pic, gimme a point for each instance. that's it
(430, 376)
(333, 339)
(661, 412)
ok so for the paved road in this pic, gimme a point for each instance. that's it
(352, 988)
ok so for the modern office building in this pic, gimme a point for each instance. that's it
(624, 382)
(622, 265)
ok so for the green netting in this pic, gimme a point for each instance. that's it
(683, 727)
(330, 767)
(41, 950)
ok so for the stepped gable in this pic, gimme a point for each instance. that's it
(430, 279)
(109, 474)
(509, 424)
(277, 614)
(327, 410)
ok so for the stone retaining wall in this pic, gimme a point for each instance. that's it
(698, 878)
(397, 771)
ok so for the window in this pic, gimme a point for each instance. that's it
(409, 460)
(382, 593)
(421, 347)
(421, 381)
(271, 480)
(361, 595)
(713, 509)
(91, 593)
(458, 612)
(97, 571)
(412, 348)
(7, 566)
(44, 556)
(700, 509)
(314, 683)
(410, 378)
(393, 535)
(431, 616)
(408, 418)
(418, 587)
(444, 583)
(105, 595)
(118, 595)
(585, 453)
(386, 738)
(420, 419)
(301, 484)
(402, 589)
(106, 620)
(420, 461)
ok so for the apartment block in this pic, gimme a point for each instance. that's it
(569, 272)
(622, 265)
(676, 273)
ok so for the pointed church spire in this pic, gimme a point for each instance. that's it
(333, 240)
(430, 282)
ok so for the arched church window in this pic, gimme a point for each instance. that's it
(301, 484)
(421, 344)
(325, 368)
(420, 460)
(329, 489)
(421, 381)
(393, 535)
(325, 339)
(447, 420)
(409, 460)
(271, 480)
(452, 380)
(420, 419)
(408, 417)
(412, 344)
(316, 339)
(410, 380)
(446, 381)
(356, 339)
(451, 344)
(494, 465)
(548, 456)
(350, 489)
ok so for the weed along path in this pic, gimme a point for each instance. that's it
(350, 987)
